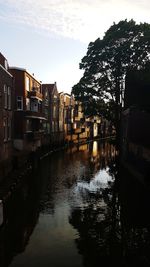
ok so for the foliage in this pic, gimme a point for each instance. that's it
(125, 45)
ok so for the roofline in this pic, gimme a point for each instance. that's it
(17, 68)
(22, 69)
(68, 94)
(47, 84)
(6, 71)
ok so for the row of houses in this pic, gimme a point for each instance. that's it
(35, 115)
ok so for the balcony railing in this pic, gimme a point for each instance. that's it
(35, 94)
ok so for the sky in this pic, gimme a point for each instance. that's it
(50, 37)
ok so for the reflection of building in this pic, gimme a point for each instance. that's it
(28, 116)
(6, 123)
(20, 217)
(95, 149)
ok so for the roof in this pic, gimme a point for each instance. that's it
(24, 70)
(17, 68)
(4, 64)
(6, 71)
(49, 86)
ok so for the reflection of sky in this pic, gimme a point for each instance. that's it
(100, 181)
(85, 194)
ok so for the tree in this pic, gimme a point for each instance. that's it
(125, 45)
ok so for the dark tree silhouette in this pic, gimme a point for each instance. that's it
(125, 45)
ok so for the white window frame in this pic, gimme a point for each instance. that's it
(9, 97)
(27, 83)
(28, 104)
(20, 101)
(5, 96)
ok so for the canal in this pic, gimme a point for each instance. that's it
(73, 212)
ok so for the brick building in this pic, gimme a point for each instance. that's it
(6, 117)
(28, 111)
(53, 111)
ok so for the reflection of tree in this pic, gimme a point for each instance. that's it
(93, 225)
(135, 220)
(130, 224)
(114, 225)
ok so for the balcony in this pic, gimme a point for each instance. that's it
(34, 115)
(35, 94)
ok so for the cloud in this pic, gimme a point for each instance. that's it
(82, 20)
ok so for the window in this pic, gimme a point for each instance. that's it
(39, 106)
(52, 126)
(34, 105)
(72, 115)
(5, 129)
(28, 126)
(19, 103)
(54, 112)
(27, 83)
(65, 114)
(5, 96)
(27, 103)
(46, 113)
(56, 127)
(9, 128)
(9, 97)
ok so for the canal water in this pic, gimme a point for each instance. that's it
(72, 212)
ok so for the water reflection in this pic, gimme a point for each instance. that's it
(114, 222)
(91, 213)
(21, 215)
(95, 149)
(74, 212)
(134, 199)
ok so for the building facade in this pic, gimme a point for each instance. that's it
(68, 117)
(28, 111)
(6, 117)
(61, 118)
(53, 112)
